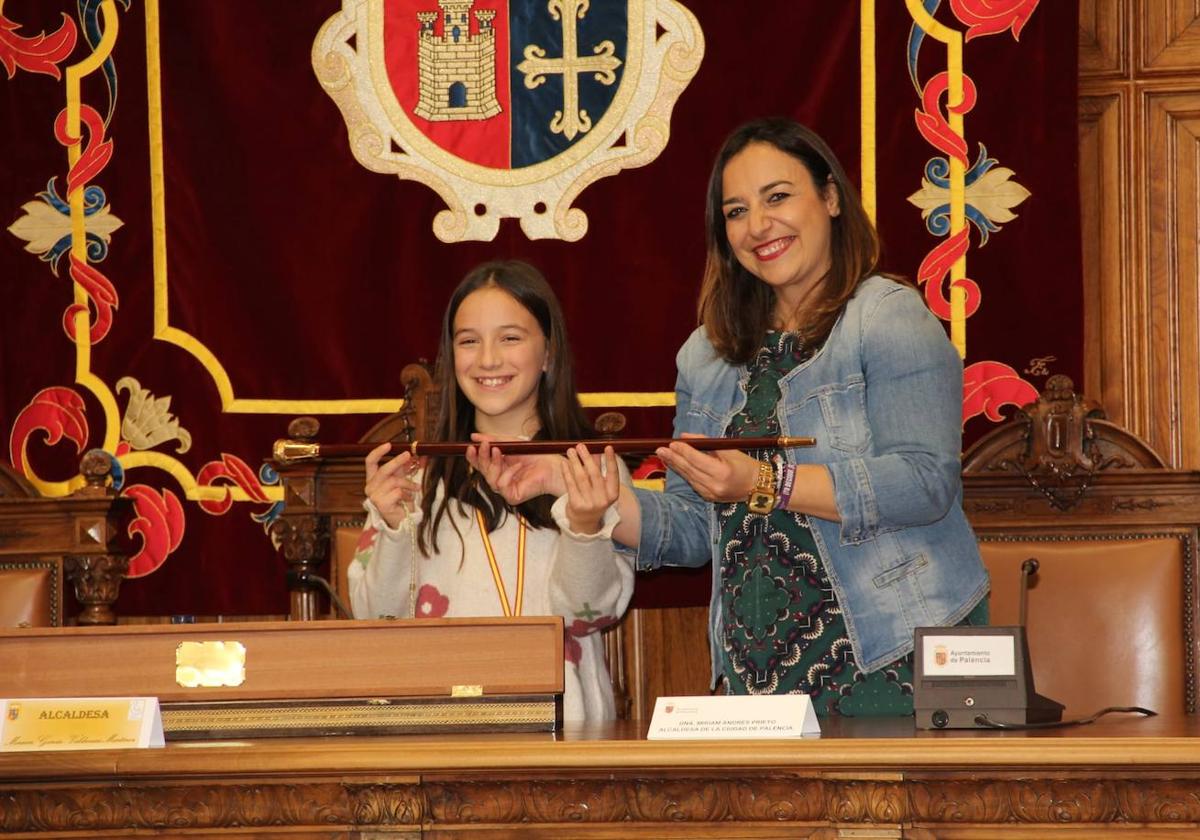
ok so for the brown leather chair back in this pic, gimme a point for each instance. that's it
(1107, 614)
(30, 593)
(341, 555)
(1112, 610)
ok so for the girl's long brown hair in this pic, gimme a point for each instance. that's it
(736, 308)
(559, 413)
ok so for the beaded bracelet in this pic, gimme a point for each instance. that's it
(787, 480)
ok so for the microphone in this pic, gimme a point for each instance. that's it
(1028, 569)
(949, 691)
(311, 580)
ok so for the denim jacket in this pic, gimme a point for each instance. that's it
(883, 398)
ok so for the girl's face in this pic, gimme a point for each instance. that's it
(776, 220)
(500, 354)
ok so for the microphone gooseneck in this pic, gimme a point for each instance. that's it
(1028, 569)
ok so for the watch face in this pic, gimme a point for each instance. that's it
(761, 502)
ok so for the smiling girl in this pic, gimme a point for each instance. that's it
(439, 541)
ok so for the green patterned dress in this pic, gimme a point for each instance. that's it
(784, 629)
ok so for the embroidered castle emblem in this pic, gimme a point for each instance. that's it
(456, 71)
(507, 108)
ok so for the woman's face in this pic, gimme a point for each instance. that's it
(776, 220)
(500, 353)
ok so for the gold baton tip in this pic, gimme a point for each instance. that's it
(286, 451)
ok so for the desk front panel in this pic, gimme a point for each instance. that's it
(860, 779)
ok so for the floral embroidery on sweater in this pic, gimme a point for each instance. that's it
(577, 628)
(431, 603)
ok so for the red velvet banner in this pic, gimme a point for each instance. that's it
(288, 279)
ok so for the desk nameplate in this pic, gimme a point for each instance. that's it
(733, 717)
(40, 724)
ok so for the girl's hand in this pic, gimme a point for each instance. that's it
(517, 478)
(589, 493)
(487, 459)
(726, 475)
(390, 487)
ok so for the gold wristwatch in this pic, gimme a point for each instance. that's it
(762, 497)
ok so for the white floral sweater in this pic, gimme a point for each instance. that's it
(580, 577)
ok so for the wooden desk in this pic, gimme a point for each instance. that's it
(860, 779)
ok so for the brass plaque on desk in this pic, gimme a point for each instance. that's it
(210, 664)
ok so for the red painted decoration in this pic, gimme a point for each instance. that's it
(59, 412)
(39, 54)
(933, 126)
(989, 17)
(229, 470)
(934, 269)
(987, 386)
(159, 522)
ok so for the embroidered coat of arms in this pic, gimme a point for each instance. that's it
(507, 108)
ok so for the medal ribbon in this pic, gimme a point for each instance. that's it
(510, 610)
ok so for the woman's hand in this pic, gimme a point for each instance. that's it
(390, 487)
(726, 475)
(589, 492)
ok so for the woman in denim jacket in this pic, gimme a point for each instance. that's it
(824, 558)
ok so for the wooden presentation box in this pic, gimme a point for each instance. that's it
(283, 678)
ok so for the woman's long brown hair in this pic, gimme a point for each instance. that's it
(559, 413)
(736, 308)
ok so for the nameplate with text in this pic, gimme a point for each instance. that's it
(967, 654)
(731, 717)
(35, 724)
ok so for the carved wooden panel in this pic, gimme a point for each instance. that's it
(666, 800)
(1055, 801)
(109, 809)
(1138, 190)
(597, 805)
(664, 653)
(1101, 38)
(1170, 167)
(1114, 340)
(1169, 39)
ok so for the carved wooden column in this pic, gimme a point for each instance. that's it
(323, 495)
(96, 577)
(97, 582)
(82, 531)
(301, 533)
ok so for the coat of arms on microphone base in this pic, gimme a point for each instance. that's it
(507, 108)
